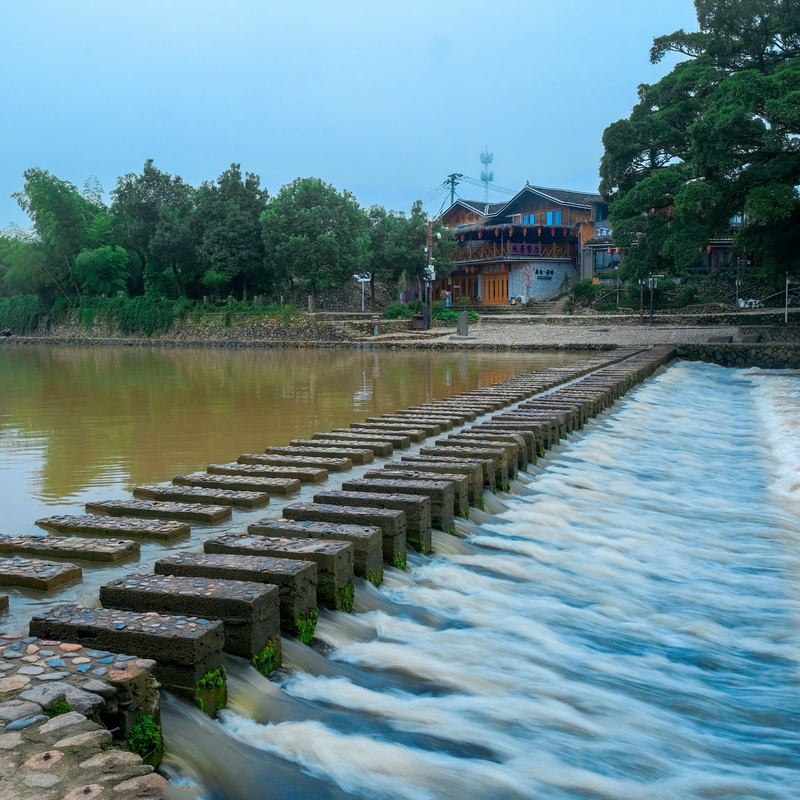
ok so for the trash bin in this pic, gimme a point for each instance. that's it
(418, 322)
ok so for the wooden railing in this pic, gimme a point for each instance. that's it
(486, 251)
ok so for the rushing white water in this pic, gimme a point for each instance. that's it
(626, 629)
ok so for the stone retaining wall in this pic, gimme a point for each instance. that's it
(764, 356)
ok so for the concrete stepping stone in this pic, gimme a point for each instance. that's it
(156, 509)
(394, 438)
(525, 439)
(247, 483)
(416, 508)
(413, 434)
(314, 460)
(334, 561)
(90, 525)
(480, 472)
(532, 441)
(367, 541)
(397, 470)
(375, 446)
(187, 650)
(70, 547)
(392, 523)
(296, 582)
(431, 427)
(193, 494)
(516, 449)
(440, 493)
(458, 450)
(32, 573)
(436, 413)
(303, 474)
(355, 454)
(249, 611)
(3, 602)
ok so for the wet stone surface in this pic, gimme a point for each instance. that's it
(239, 482)
(89, 524)
(408, 431)
(183, 494)
(392, 523)
(70, 547)
(329, 449)
(303, 474)
(199, 512)
(381, 447)
(366, 540)
(248, 610)
(480, 471)
(296, 580)
(32, 573)
(316, 460)
(399, 470)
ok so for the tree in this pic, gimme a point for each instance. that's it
(230, 247)
(315, 235)
(152, 219)
(715, 139)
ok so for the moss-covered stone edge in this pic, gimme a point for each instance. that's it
(213, 686)
(268, 659)
(305, 626)
(146, 739)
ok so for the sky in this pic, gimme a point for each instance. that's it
(381, 98)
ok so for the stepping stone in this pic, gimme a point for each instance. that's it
(441, 495)
(239, 482)
(416, 508)
(524, 439)
(187, 650)
(356, 455)
(452, 418)
(451, 410)
(479, 471)
(493, 454)
(314, 460)
(296, 582)
(303, 474)
(535, 438)
(431, 427)
(160, 510)
(515, 450)
(375, 446)
(3, 602)
(391, 522)
(414, 434)
(394, 438)
(31, 573)
(367, 541)
(193, 494)
(248, 610)
(88, 524)
(70, 547)
(334, 561)
(400, 471)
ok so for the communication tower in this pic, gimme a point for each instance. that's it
(486, 176)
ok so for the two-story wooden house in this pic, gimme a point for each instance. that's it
(522, 249)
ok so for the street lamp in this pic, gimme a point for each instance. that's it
(362, 279)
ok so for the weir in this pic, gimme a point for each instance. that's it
(247, 586)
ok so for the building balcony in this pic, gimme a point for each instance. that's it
(476, 252)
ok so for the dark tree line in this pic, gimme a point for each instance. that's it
(163, 238)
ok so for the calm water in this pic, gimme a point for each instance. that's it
(625, 626)
(91, 424)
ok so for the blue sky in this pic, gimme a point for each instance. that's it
(384, 99)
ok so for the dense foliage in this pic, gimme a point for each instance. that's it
(713, 148)
(163, 245)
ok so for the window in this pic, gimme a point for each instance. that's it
(549, 218)
(558, 217)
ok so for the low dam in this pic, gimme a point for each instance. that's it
(509, 571)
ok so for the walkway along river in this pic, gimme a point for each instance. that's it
(622, 626)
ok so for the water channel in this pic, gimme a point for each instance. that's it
(623, 626)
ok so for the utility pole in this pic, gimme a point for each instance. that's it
(429, 277)
(641, 301)
(452, 181)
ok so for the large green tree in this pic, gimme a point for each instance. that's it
(230, 247)
(716, 138)
(314, 235)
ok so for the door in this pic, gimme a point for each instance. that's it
(494, 289)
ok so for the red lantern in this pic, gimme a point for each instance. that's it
(524, 231)
(497, 231)
(511, 231)
(552, 231)
(619, 250)
(480, 234)
(539, 231)
(610, 250)
(709, 249)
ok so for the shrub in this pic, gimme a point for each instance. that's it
(21, 313)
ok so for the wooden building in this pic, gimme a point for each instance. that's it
(522, 249)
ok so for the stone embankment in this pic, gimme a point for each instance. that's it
(764, 356)
(247, 589)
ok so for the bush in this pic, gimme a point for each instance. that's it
(21, 313)
(403, 310)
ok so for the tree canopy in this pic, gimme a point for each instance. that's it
(715, 139)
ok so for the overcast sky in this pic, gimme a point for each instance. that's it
(382, 98)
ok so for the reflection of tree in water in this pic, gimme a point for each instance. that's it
(133, 416)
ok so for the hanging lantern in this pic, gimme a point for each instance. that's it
(524, 231)
(619, 250)
(539, 231)
(497, 231)
(610, 250)
(552, 231)
(461, 237)
(709, 249)
(480, 234)
(511, 231)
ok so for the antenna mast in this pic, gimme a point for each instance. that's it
(486, 176)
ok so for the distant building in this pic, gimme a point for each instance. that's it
(523, 249)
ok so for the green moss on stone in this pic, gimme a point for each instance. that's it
(346, 597)
(464, 514)
(267, 660)
(305, 626)
(479, 504)
(451, 530)
(375, 576)
(398, 561)
(211, 691)
(146, 739)
(58, 708)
